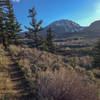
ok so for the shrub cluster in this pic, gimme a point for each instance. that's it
(64, 85)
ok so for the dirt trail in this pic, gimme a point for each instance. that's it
(18, 85)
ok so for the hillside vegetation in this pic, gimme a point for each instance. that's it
(35, 63)
(41, 68)
(48, 76)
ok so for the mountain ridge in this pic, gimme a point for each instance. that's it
(64, 25)
(68, 28)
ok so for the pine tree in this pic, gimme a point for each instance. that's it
(96, 56)
(3, 36)
(12, 24)
(35, 28)
(50, 38)
(8, 23)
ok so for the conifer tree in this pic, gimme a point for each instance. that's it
(3, 36)
(12, 24)
(8, 23)
(35, 28)
(50, 38)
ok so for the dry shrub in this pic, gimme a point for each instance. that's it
(3, 59)
(86, 61)
(41, 59)
(65, 85)
(3, 63)
(15, 50)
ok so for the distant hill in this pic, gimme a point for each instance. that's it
(68, 28)
(62, 27)
(94, 27)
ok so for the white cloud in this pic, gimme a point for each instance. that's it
(16, 0)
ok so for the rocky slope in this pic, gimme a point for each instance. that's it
(94, 27)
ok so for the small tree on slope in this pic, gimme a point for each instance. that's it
(35, 28)
(50, 38)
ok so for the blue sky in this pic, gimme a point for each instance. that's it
(81, 11)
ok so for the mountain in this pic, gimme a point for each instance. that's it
(63, 26)
(94, 27)
(68, 28)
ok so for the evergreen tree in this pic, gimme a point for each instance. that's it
(8, 23)
(96, 56)
(12, 24)
(3, 36)
(49, 39)
(35, 28)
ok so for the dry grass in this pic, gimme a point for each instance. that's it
(34, 58)
(5, 82)
(3, 59)
(65, 85)
(15, 50)
(32, 61)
